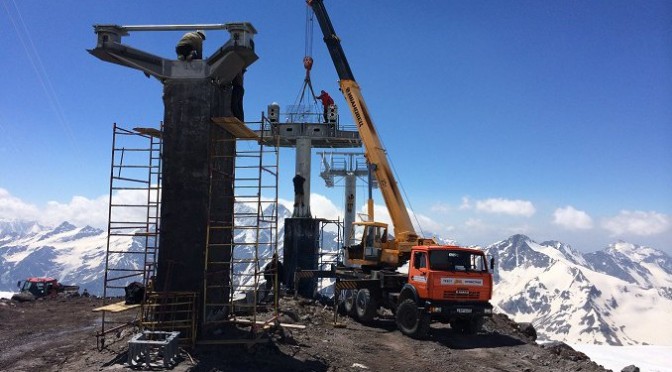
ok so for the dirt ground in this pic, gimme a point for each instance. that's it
(59, 335)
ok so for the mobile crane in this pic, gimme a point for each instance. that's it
(447, 283)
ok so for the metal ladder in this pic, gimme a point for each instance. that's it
(242, 244)
(133, 216)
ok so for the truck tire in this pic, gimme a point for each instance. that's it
(411, 321)
(365, 305)
(349, 296)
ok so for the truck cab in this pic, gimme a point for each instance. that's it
(40, 287)
(450, 284)
(450, 273)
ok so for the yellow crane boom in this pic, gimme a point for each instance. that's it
(374, 249)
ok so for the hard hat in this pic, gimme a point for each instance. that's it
(202, 33)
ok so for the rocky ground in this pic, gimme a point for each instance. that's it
(59, 335)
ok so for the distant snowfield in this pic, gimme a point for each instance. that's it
(7, 295)
(649, 358)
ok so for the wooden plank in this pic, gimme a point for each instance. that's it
(236, 127)
(117, 307)
(261, 322)
(149, 132)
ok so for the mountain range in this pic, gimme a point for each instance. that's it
(620, 295)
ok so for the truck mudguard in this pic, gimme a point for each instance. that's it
(408, 291)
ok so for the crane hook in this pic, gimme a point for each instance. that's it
(308, 62)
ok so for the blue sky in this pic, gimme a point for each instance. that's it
(547, 118)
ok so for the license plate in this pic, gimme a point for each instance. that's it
(464, 311)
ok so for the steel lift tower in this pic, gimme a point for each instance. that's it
(350, 166)
(305, 131)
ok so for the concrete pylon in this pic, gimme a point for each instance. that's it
(303, 151)
(193, 93)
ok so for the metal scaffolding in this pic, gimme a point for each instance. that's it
(239, 246)
(252, 232)
(133, 217)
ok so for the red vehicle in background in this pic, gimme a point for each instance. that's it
(41, 287)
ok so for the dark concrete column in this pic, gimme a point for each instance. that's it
(186, 192)
(301, 249)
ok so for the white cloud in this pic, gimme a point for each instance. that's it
(520, 229)
(429, 226)
(475, 224)
(13, 208)
(79, 211)
(321, 207)
(506, 206)
(289, 204)
(440, 208)
(466, 203)
(572, 219)
(637, 223)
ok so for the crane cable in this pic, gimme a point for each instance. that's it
(307, 61)
(23, 34)
(401, 186)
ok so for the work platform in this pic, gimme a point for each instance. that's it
(300, 123)
(322, 135)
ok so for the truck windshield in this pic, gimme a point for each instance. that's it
(35, 288)
(456, 261)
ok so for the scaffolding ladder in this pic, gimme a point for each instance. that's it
(242, 244)
(133, 218)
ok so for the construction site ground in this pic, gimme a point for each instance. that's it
(59, 335)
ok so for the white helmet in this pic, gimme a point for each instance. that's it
(202, 33)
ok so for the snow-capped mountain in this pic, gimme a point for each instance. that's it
(620, 295)
(76, 255)
(616, 296)
(73, 255)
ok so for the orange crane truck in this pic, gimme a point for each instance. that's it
(446, 283)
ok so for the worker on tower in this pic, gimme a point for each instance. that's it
(298, 181)
(237, 93)
(326, 102)
(190, 46)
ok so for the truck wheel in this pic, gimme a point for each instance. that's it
(349, 296)
(365, 305)
(411, 321)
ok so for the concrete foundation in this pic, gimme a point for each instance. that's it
(301, 251)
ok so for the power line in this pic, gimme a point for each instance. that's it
(41, 73)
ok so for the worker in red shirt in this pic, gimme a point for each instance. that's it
(326, 102)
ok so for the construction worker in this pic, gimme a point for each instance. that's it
(326, 102)
(237, 92)
(270, 270)
(298, 181)
(190, 46)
